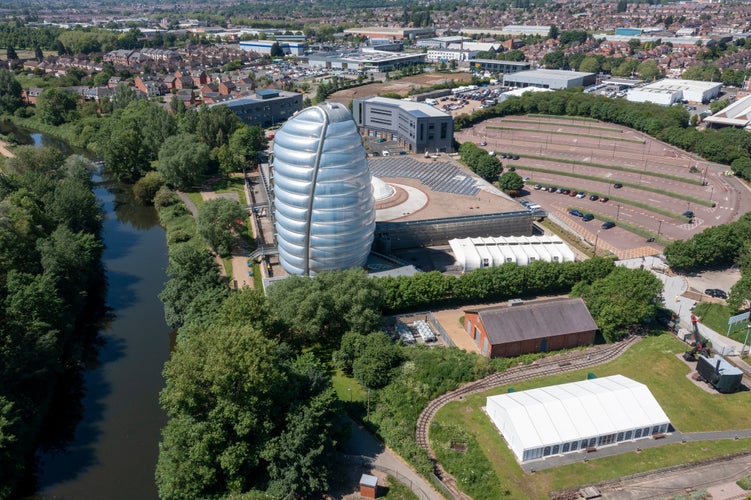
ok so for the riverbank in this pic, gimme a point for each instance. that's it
(4, 151)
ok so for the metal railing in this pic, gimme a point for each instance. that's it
(435, 324)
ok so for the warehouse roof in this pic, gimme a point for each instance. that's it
(534, 320)
(575, 411)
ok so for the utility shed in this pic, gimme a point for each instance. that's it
(576, 416)
(539, 326)
(476, 253)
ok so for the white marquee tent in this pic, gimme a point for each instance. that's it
(579, 415)
(474, 253)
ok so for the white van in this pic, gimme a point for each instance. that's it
(386, 152)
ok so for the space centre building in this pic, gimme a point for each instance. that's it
(323, 196)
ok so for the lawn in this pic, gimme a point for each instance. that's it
(689, 408)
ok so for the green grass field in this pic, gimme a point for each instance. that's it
(654, 362)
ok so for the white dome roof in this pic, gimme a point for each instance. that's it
(381, 190)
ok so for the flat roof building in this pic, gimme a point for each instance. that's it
(668, 91)
(291, 47)
(521, 91)
(576, 417)
(496, 66)
(266, 108)
(549, 79)
(388, 32)
(450, 55)
(418, 127)
(375, 60)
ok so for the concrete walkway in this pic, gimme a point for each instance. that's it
(364, 444)
(674, 289)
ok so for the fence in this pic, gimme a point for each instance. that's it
(437, 326)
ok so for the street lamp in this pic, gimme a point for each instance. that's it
(618, 212)
(711, 192)
(597, 238)
(658, 229)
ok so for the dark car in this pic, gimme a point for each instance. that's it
(593, 197)
(716, 292)
(618, 185)
(572, 193)
(552, 189)
(575, 213)
(588, 217)
(565, 191)
(688, 213)
(512, 169)
(515, 157)
(604, 199)
(608, 224)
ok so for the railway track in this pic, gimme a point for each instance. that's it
(575, 360)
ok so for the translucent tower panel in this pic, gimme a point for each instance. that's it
(324, 205)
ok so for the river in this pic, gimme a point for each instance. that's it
(114, 448)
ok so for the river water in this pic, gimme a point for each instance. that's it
(114, 448)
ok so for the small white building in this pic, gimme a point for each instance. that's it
(737, 114)
(576, 416)
(450, 55)
(476, 253)
(668, 91)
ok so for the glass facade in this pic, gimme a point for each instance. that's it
(323, 198)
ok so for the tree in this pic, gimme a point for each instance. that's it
(590, 64)
(11, 53)
(10, 92)
(375, 360)
(248, 143)
(38, 55)
(123, 96)
(623, 298)
(146, 187)
(648, 70)
(554, 32)
(276, 50)
(219, 221)
(55, 106)
(191, 271)
(183, 160)
(511, 183)
(224, 395)
(325, 307)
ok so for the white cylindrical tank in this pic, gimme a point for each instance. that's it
(323, 198)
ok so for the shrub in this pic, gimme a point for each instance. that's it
(164, 197)
(147, 187)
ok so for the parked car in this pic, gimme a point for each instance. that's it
(688, 213)
(512, 169)
(484, 143)
(608, 224)
(716, 292)
(572, 193)
(604, 199)
(581, 194)
(565, 191)
(515, 157)
(588, 217)
(617, 185)
(552, 189)
(575, 213)
(538, 187)
(593, 197)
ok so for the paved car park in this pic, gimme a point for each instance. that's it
(578, 155)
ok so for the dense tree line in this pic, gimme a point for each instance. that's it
(50, 281)
(670, 124)
(250, 406)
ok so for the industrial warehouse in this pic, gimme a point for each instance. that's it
(578, 416)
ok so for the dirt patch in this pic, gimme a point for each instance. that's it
(402, 86)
